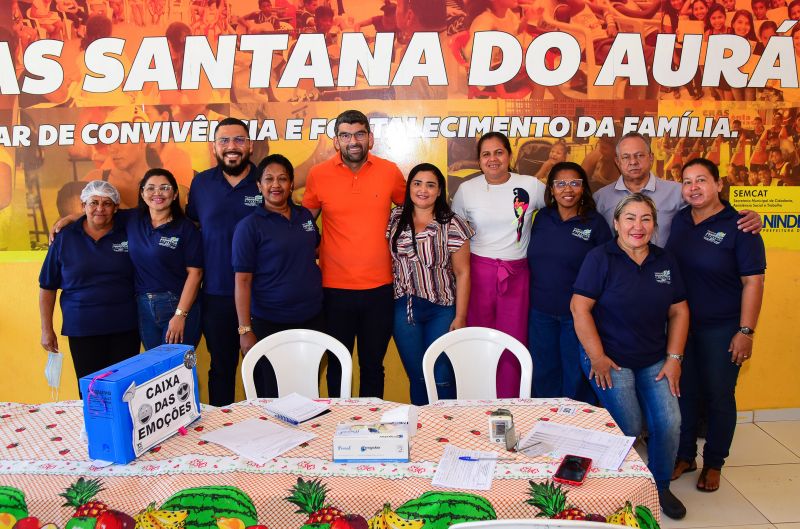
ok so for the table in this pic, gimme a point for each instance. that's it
(42, 454)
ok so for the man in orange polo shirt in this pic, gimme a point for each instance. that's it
(354, 190)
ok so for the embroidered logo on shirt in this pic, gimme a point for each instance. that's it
(582, 234)
(665, 277)
(308, 225)
(255, 200)
(169, 242)
(716, 238)
(120, 247)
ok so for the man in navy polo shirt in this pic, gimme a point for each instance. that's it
(218, 199)
(635, 159)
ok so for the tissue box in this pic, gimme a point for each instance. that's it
(370, 443)
(138, 403)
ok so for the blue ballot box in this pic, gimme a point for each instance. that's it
(136, 404)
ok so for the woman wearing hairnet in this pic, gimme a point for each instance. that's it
(89, 262)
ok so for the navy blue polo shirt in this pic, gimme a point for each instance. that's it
(632, 301)
(161, 255)
(281, 255)
(555, 254)
(219, 207)
(95, 278)
(714, 255)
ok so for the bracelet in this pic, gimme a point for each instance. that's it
(179, 312)
(679, 358)
(748, 336)
(244, 329)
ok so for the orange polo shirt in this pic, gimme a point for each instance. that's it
(354, 253)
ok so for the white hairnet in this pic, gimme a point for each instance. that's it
(100, 188)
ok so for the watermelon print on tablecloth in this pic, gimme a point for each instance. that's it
(12, 501)
(206, 504)
(440, 510)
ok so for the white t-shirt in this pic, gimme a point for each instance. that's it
(500, 214)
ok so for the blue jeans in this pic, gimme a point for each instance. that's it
(709, 380)
(430, 322)
(636, 396)
(556, 358)
(155, 311)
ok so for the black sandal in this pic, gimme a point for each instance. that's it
(691, 466)
(704, 475)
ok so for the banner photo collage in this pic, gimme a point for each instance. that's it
(106, 89)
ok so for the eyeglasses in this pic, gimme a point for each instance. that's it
(630, 158)
(562, 184)
(149, 190)
(361, 135)
(95, 204)
(237, 140)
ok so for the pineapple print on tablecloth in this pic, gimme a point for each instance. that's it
(551, 500)
(80, 496)
(309, 496)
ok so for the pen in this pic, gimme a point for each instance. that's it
(470, 458)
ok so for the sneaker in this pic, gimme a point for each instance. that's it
(670, 505)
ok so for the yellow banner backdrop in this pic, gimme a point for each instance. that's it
(109, 88)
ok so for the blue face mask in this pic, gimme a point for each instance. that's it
(52, 372)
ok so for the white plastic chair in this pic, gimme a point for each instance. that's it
(295, 356)
(474, 353)
(533, 523)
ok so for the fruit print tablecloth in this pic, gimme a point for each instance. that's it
(42, 454)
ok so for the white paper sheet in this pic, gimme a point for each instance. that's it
(258, 440)
(458, 474)
(606, 450)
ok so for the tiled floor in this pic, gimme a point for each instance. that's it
(760, 488)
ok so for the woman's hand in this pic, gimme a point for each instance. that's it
(247, 341)
(601, 371)
(49, 340)
(175, 329)
(749, 221)
(672, 370)
(741, 348)
(458, 322)
(60, 224)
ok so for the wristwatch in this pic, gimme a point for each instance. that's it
(244, 329)
(179, 312)
(747, 331)
(679, 358)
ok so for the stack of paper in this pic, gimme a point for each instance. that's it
(465, 469)
(258, 440)
(604, 449)
(295, 408)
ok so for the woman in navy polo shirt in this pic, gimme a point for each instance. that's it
(631, 316)
(278, 283)
(167, 254)
(88, 260)
(724, 271)
(562, 234)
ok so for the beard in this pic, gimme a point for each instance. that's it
(356, 156)
(233, 169)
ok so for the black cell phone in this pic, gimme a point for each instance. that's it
(572, 470)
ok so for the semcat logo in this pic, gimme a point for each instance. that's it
(715, 237)
(664, 278)
(582, 234)
(169, 242)
(120, 247)
(308, 225)
(253, 201)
